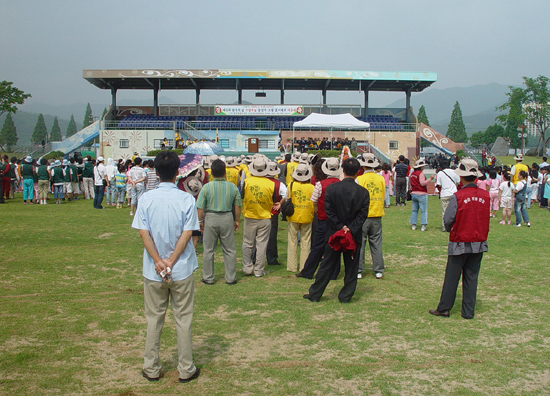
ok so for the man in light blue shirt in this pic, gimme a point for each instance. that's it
(166, 218)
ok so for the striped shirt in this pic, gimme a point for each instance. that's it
(219, 196)
(151, 180)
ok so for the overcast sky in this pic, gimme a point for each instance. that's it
(45, 45)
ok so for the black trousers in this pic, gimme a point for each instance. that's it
(468, 266)
(318, 244)
(272, 253)
(400, 190)
(330, 261)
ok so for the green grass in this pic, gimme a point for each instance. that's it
(72, 322)
(509, 160)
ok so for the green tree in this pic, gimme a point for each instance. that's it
(457, 130)
(8, 134)
(422, 116)
(71, 128)
(10, 97)
(88, 117)
(55, 136)
(489, 136)
(40, 131)
(477, 138)
(537, 109)
(515, 117)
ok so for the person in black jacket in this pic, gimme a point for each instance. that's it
(347, 207)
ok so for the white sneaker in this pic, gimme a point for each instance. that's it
(131, 213)
(413, 227)
(359, 276)
(379, 275)
(423, 228)
(517, 225)
(528, 224)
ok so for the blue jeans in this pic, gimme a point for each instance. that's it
(111, 193)
(528, 197)
(99, 191)
(387, 196)
(520, 210)
(58, 191)
(419, 201)
(121, 193)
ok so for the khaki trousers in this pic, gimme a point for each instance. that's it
(88, 187)
(43, 189)
(292, 247)
(255, 235)
(444, 203)
(156, 296)
(219, 226)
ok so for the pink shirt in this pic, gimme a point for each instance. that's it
(483, 184)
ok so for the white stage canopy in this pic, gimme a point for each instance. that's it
(332, 121)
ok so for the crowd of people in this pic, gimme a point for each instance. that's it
(303, 145)
(333, 207)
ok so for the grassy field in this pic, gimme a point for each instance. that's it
(72, 322)
(509, 160)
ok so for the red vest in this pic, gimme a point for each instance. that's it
(415, 182)
(276, 196)
(472, 215)
(321, 214)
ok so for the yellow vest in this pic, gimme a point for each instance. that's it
(258, 197)
(232, 175)
(303, 205)
(376, 186)
(290, 166)
(519, 167)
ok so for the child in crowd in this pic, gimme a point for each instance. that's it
(520, 193)
(58, 181)
(505, 198)
(120, 182)
(494, 184)
(151, 179)
(482, 182)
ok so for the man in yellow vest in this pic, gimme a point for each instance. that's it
(295, 160)
(257, 205)
(518, 167)
(372, 227)
(232, 172)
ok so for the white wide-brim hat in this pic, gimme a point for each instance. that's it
(192, 185)
(468, 167)
(274, 169)
(331, 167)
(419, 163)
(302, 172)
(259, 167)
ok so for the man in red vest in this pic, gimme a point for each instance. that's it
(331, 168)
(467, 220)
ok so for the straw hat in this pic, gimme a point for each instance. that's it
(420, 163)
(331, 167)
(370, 160)
(302, 172)
(295, 156)
(259, 167)
(519, 157)
(468, 167)
(274, 169)
(28, 159)
(192, 185)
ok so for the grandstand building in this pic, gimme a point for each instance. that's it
(125, 129)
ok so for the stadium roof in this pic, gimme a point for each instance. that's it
(259, 80)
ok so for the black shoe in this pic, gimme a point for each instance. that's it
(308, 297)
(150, 379)
(344, 301)
(232, 283)
(275, 263)
(435, 312)
(207, 283)
(196, 375)
(300, 275)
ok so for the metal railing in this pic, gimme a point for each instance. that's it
(210, 110)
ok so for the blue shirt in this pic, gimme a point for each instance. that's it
(166, 212)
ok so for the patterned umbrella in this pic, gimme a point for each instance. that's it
(188, 163)
(203, 148)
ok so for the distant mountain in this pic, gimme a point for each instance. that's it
(25, 123)
(477, 103)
